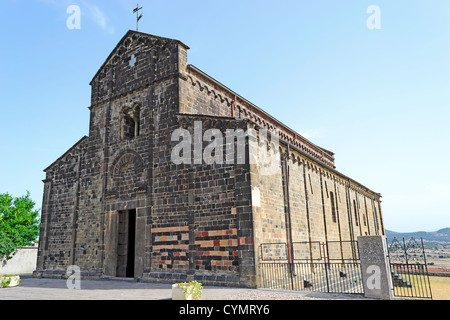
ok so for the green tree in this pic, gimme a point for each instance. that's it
(19, 223)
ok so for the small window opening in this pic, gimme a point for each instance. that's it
(333, 208)
(356, 214)
(130, 123)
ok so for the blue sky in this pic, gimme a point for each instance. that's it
(378, 98)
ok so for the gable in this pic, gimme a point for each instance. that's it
(136, 61)
(74, 151)
(133, 39)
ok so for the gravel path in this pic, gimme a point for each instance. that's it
(267, 295)
(56, 289)
(262, 294)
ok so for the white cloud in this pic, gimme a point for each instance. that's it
(89, 10)
(99, 17)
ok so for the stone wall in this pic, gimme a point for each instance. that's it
(59, 205)
(202, 224)
(23, 262)
(295, 205)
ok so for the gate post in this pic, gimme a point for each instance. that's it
(375, 267)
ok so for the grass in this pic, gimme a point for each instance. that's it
(440, 287)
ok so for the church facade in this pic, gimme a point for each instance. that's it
(118, 203)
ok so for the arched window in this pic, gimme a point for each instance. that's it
(130, 122)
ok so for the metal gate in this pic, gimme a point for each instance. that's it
(409, 269)
(331, 266)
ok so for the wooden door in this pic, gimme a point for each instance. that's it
(122, 244)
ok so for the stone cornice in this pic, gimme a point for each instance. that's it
(76, 146)
(248, 110)
(296, 155)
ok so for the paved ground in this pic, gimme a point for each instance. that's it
(51, 289)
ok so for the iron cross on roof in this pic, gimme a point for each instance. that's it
(138, 16)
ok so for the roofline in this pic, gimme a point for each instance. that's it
(65, 153)
(287, 143)
(140, 33)
(194, 68)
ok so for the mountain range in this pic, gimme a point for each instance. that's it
(442, 235)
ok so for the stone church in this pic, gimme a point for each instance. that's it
(117, 205)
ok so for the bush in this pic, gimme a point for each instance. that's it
(7, 247)
(192, 288)
(19, 223)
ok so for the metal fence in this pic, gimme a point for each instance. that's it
(409, 269)
(334, 267)
(331, 266)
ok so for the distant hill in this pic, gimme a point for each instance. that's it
(440, 235)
